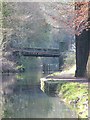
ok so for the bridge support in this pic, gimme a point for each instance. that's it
(61, 50)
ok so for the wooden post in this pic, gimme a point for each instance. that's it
(61, 46)
(49, 68)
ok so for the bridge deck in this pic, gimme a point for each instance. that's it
(41, 52)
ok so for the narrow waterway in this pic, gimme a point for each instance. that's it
(24, 99)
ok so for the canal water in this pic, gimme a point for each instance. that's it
(24, 99)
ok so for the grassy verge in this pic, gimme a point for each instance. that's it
(75, 95)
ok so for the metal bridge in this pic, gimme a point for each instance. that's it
(37, 52)
(40, 52)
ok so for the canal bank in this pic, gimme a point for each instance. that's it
(74, 94)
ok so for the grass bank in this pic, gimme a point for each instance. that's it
(75, 95)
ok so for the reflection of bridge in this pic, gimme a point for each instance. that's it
(37, 52)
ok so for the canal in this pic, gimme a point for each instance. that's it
(24, 99)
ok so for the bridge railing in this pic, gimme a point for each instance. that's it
(38, 50)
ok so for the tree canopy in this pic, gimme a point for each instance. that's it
(72, 16)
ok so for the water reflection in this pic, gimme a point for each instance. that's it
(28, 101)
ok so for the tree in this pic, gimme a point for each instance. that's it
(82, 38)
(71, 15)
(75, 18)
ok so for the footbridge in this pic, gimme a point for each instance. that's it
(37, 52)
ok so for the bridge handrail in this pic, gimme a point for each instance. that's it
(54, 49)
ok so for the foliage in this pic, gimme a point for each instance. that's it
(20, 68)
(24, 29)
(5, 10)
(25, 26)
(22, 79)
(72, 16)
(82, 20)
(29, 63)
(69, 60)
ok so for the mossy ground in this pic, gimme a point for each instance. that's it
(75, 96)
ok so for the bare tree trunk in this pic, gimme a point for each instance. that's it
(82, 53)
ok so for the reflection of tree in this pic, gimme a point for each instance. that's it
(26, 105)
(27, 100)
(28, 78)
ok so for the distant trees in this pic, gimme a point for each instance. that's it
(30, 25)
(24, 25)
